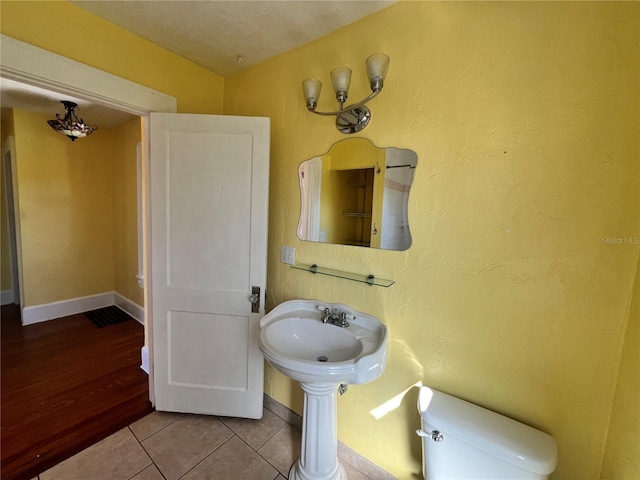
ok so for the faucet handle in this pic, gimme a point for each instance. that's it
(323, 309)
(342, 322)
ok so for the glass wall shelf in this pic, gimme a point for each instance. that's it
(368, 279)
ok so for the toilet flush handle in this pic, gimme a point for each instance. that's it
(435, 435)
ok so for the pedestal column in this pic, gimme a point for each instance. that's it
(319, 452)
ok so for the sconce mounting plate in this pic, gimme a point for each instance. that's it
(353, 120)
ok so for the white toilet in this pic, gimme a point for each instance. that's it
(464, 441)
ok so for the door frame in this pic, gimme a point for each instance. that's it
(13, 231)
(35, 66)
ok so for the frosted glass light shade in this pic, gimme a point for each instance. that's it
(377, 67)
(341, 81)
(311, 89)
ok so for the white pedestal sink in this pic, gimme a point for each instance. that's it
(322, 357)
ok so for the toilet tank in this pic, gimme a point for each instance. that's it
(472, 442)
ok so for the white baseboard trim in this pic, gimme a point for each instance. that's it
(63, 308)
(345, 454)
(49, 311)
(129, 306)
(144, 353)
(6, 297)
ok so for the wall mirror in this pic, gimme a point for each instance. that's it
(357, 194)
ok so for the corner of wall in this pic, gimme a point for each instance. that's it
(621, 460)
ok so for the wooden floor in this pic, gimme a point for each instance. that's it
(66, 384)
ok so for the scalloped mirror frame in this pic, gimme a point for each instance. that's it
(357, 194)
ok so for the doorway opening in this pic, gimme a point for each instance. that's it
(30, 65)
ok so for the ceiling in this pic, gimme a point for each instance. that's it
(215, 33)
(222, 36)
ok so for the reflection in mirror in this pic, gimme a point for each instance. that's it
(357, 194)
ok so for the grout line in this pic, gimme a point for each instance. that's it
(260, 455)
(211, 452)
(144, 468)
(273, 434)
(267, 460)
(154, 433)
(148, 454)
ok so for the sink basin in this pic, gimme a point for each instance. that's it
(296, 342)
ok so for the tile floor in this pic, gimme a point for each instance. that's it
(170, 446)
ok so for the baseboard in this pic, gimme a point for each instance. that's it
(129, 306)
(362, 464)
(49, 311)
(283, 412)
(144, 354)
(6, 297)
(345, 454)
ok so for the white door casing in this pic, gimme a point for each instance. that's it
(13, 226)
(209, 206)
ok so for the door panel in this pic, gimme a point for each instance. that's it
(209, 195)
(189, 333)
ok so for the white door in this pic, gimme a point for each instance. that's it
(209, 195)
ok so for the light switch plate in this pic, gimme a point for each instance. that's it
(288, 255)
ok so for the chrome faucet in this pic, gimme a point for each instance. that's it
(334, 318)
(326, 314)
(341, 321)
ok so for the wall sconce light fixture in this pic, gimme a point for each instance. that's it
(71, 126)
(352, 118)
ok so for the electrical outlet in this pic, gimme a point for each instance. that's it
(288, 255)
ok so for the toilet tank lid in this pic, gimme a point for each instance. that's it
(500, 436)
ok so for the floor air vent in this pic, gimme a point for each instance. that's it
(103, 317)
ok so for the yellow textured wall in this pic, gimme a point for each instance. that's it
(125, 201)
(65, 193)
(70, 31)
(525, 120)
(5, 261)
(622, 453)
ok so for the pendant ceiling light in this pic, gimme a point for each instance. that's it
(71, 126)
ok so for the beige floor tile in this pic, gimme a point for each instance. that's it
(177, 448)
(282, 449)
(233, 461)
(254, 432)
(281, 477)
(153, 423)
(119, 456)
(352, 473)
(149, 473)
